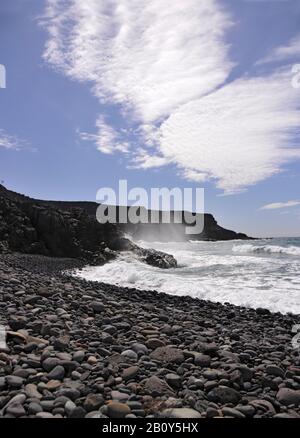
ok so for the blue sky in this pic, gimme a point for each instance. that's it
(163, 94)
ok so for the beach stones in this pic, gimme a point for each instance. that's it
(17, 322)
(154, 343)
(117, 410)
(57, 373)
(287, 397)
(233, 413)
(202, 360)
(130, 354)
(78, 356)
(32, 391)
(173, 380)
(34, 408)
(61, 343)
(167, 355)
(16, 410)
(274, 370)
(14, 381)
(156, 387)
(139, 348)
(183, 358)
(50, 363)
(43, 291)
(93, 402)
(119, 396)
(224, 394)
(181, 413)
(130, 373)
(97, 306)
(53, 385)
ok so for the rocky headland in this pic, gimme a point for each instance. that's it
(70, 229)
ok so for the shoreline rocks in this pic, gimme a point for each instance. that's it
(94, 350)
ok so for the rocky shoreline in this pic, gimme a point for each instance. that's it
(80, 349)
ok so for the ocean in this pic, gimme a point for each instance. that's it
(258, 273)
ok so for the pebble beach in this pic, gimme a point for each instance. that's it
(80, 349)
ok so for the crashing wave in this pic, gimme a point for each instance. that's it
(267, 249)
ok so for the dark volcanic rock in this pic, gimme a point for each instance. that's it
(70, 229)
(167, 355)
(65, 229)
(287, 396)
(223, 394)
(155, 386)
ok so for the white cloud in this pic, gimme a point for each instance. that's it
(9, 142)
(107, 138)
(148, 55)
(144, 160)
(288, 52)
(238, 135)
(278, 205)
(164, 63)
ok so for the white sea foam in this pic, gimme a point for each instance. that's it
(214, 271)
(269, 249)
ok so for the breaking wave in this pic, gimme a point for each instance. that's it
(267, 249)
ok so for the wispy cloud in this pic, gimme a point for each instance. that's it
(279, 205)
(145, 160)
(288, 52)
(238, 135)
(106, 138)
(165, 64)
(9, 141)
(150, 56)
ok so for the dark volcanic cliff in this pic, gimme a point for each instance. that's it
(36, 227)
(65, 229)
(70, 229)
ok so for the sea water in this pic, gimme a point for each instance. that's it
(258, 273)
